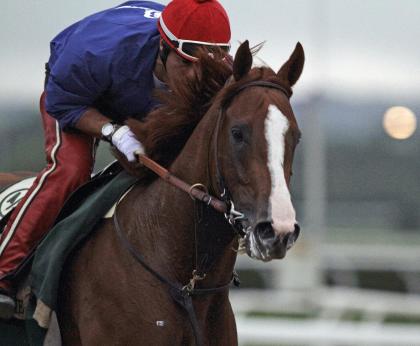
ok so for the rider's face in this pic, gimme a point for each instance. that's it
(178, 68)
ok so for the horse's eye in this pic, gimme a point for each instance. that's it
(237, 135)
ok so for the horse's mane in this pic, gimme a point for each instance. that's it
(165, 130)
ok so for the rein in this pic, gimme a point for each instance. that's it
(193, 190)
(183, 294)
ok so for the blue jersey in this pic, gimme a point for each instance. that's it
(105, 61)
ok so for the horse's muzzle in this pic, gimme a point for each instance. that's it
(264, 244)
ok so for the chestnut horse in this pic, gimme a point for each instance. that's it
(241, 149)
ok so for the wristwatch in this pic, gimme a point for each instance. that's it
(108, 131)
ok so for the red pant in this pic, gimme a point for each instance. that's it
(70, 158)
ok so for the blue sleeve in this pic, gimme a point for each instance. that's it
(77, 78)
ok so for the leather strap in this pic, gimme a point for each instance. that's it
(182, 185)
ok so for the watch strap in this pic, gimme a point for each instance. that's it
(108, 137)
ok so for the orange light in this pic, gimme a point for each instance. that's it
(399, 122)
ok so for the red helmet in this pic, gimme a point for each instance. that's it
(186, 25)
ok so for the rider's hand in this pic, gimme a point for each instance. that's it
(126, 142)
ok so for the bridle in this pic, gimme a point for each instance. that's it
(233, 216)
(183, 294)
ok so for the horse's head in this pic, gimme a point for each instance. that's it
(256, 138)
(253, 142)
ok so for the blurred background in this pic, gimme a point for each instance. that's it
(353, 278)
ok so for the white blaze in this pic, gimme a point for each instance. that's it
(282, 211)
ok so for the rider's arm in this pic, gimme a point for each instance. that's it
(72, 88)
(91, 122)
(80, 74)
(123, 139)
(74, 84)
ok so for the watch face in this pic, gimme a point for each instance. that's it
(107, 129)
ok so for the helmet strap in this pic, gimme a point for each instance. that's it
(164, 51)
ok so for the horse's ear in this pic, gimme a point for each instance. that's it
(292, 68)
(243, 61)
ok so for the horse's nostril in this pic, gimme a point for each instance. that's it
(291, 238)
(265, 230)
(296, 232)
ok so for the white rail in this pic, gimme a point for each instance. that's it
(324, 333)
(328, 309)
(374, 304)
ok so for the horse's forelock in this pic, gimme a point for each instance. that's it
(257, 73)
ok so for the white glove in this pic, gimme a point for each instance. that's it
(126, 142)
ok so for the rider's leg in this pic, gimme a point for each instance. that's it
(70, 158)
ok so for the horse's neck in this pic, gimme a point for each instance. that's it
(168, 220)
